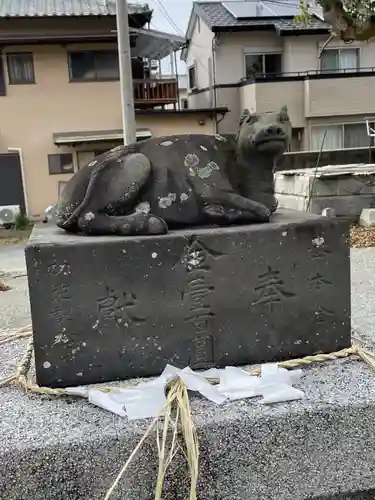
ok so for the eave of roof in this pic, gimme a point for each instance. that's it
(219, 20)
(64, 8)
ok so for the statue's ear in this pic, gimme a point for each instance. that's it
(284, 116)
(245, 114)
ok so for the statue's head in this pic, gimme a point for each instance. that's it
(264, 132)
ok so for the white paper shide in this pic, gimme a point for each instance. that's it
(147, 399)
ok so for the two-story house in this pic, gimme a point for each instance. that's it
(252, 54)
(60, 99)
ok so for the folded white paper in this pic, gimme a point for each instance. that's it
(148, 399)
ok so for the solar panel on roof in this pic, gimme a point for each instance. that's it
(282, 8)
(253, 9)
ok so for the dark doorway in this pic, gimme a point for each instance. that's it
(11, 187)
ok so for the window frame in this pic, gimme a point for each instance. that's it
(9, 56)
(62, 172)
(339, 70)
(94, 79)
(342, 127)
(263, 74)
(184, 103)
(194, 67)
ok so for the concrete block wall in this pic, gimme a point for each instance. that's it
(348, 194)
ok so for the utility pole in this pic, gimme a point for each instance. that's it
(126, 77)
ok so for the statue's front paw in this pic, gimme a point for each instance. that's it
(263, 213)
(156, 225)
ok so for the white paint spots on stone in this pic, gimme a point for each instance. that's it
(284, 233)
(203, 148)
(154, 255)
(191, 172)
(84, 344)
(191, 160)
(95, 325)
(184, 197)
(318, 242)
(46, 365)
(206, 171)
(143, 207)
(89, 216)
(79, 374)
(60, 338)
(220, 138)
(166, 143)
(213, 165)
(92, 163)
(166, 201)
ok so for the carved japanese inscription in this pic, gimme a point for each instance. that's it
(120, 307)
(196, 295)
(318, 281)
(270, 289)
(61, 305)
(322, 314)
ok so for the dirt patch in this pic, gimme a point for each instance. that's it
(14, 236)
(362, 237)
(4, 287)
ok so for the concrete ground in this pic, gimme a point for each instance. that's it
(69, 450)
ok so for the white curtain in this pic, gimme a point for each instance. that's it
(333, 138)
(348, 59)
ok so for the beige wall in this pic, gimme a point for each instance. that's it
(200, 54)
(32, 113)
(338, 96)
(230, 53)
(300, 53)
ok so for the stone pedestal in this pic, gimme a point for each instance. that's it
(107, 308)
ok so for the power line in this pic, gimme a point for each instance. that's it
(174, 25)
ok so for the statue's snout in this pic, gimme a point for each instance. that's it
(275, 130)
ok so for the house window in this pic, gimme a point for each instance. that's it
(339, 60)
(262, 65)
(192, 76)
(349, 135)
(184, 104)
(20, 68)
(60, 164)
(93, 66)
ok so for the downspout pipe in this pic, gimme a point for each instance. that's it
(214, 40)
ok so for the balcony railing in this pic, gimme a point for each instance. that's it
(325, 73)
(155, 92)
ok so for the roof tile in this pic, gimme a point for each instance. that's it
(61, 8)
(215, 15)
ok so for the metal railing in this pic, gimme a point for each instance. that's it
(319, 72)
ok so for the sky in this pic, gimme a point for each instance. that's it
(179, 11)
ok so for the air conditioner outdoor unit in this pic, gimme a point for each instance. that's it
(8, 214)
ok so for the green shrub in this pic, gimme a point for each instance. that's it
(21, 222)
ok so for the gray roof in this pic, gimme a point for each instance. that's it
(60, 8)
(217, 17)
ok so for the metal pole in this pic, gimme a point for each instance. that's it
(126, 77)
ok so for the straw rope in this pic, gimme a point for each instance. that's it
(176, 412)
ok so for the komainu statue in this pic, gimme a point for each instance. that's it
(179, 181)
